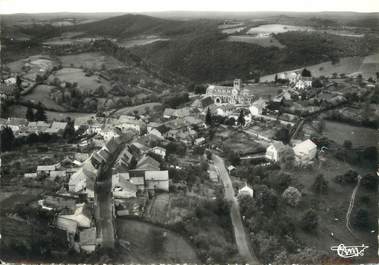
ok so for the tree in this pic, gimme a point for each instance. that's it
(370, 181)
(7, 139)
(276, 78)
(208, 118)
(309, 221)
(292, 196)
(40, 114)
(69, 132)
(347, 144)
(30, 114)
(241, 119)
(361, 218)
(283, 135)
(320, 186)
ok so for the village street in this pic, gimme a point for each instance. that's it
(239, 231)
(104, 212)
(105, 215)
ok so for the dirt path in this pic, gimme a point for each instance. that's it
(239, 231)
(351, 205)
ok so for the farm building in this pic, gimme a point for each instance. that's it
(305, 151)
(157, 180)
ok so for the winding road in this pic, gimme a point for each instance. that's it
(351, 205)
(239, 231)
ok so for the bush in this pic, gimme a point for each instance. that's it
(292, 196)
(350, 177)
(309, 221)
(320, 186)
(370, 181)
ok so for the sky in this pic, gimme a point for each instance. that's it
(44, 6)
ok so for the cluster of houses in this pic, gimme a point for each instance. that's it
(304, 151)
(22, 127)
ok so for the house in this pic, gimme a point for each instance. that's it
(110, 133)
(57, 127)
(153, 125)
(77, 181)
(199, 141)
(57, 173)
(60, 202)
(172, 134)
(274, 151)
(82, 216)
(138, 149)
(159, 151)
(156, 133)
(66, 224)
(30, 175)
(125, 123)
(87, 240)
(138, 179)
(16, 124)
(257, 107)
(157, 180)
(213, 176)
(37, 126)
(305, 151)
(124, 159)
(231, 168)
(246, 191)
(94, 128)
(122, 187)
(147, 163)
(169, 113)
(45, 170)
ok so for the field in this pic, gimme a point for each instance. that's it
(41, 94)
(20, 112)
(367, 66)
(267, 41)
(359, 136)
(77, 75)
(140, 108)
(276, 28)
(332, 207)
(140, 41)
(90, 60)
(145, 247)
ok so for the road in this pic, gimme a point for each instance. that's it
(239, 231)
(104, 202)
(105, 218)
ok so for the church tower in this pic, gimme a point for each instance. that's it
(237, 84)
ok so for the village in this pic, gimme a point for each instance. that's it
(132, 165)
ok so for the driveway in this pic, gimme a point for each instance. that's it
(239, 231)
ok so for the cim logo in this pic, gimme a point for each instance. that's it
(349, 251)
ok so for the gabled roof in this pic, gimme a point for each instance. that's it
(156, 175)
(59, 125)
(305, 146)
(113, 144)
(148, 163)
(17, 121)
(159, 148)
(47, 167)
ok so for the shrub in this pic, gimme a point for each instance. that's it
(292, 196)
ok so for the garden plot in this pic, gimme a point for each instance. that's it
(85, 83)
(41, 93)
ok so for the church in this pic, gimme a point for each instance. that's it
(230, 94)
